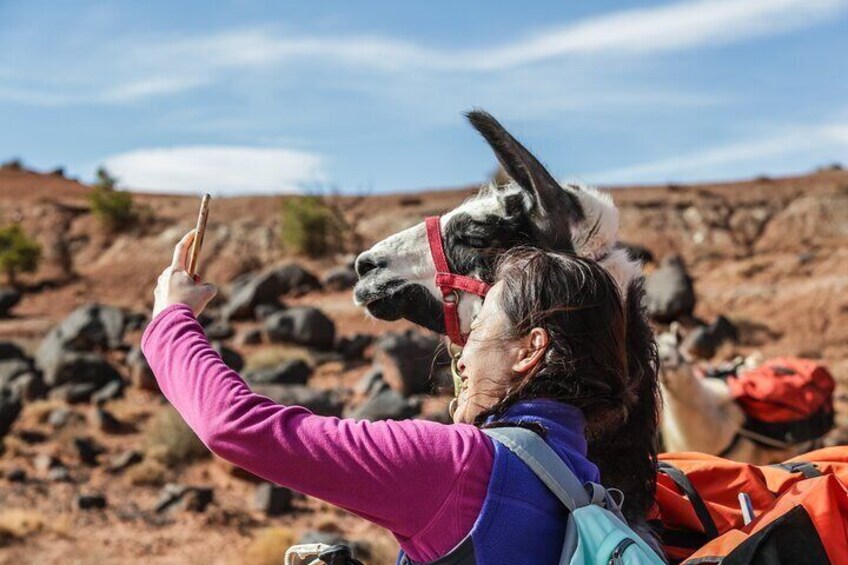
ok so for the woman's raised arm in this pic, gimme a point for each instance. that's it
(422, 480)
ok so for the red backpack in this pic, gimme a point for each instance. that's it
(697, 495)
(786, 400)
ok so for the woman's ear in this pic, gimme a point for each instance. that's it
(532, 350)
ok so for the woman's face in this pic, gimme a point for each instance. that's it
(488, 360)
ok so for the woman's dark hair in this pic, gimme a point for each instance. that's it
(601, 358)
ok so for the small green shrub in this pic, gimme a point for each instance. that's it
(18, 252)
(114, 208)
(310, 226)
(169, 440)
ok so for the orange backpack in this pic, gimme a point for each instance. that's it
(697, 494)
(788, 400)
(806, 524)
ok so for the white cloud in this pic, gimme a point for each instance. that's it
(673, 27)
(776, 153)
(222, 170)
(138, 68)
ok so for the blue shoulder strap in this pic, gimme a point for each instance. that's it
(544, 462)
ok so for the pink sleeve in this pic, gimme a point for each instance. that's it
(421, 480)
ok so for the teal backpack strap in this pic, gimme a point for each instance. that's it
(544, 462)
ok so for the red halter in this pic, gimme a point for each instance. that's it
(450, 283)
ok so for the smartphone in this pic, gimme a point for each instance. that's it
(198, 238)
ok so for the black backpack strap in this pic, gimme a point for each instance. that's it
(809, 470)
(682, 482)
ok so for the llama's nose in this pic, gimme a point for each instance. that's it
(367, 262)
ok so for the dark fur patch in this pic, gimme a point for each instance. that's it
(556, 209)
(472, 246)
(413, 302)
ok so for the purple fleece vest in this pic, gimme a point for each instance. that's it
(521, 520)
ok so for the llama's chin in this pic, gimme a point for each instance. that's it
(412, 302)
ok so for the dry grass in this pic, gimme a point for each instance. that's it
(17, 523)
(132, 410)
(273, 355)
(169, 440)
(268, 547)
(383, 549)
(149, 472)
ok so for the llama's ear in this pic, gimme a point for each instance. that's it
(553, 203)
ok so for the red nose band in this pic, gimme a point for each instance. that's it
(450, 283)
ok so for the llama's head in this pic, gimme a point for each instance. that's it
(397, 275)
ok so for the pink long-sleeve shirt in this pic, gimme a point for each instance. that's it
(423, 481)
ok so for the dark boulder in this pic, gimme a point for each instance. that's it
(272, 500)
(79, 367)
(124, 460)
(371, 382)
(246, 295)
(91, 501)
(9, 298)
(67, 353)
(10, 409)
(296, 280)
(93, 327)
(19, 375)
(135, 321)
(43, 462)
(387, 404)
(9, 351)
(412, 362)
(252, 336)
(169, 496)
(669, 291)
(16, 475)
(73, 393)
(340, 278)
(59, 475)
(303, 325)
(110, 391)
(230, 357)
(141, 375)
(321, 402)
(108, 423)
(264, 310)
(62, 416)
(292, 372)
(181, 497)
(353, 347)
(88, 450)
(219, 330)
(197, 499)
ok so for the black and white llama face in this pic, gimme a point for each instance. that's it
(397, 275)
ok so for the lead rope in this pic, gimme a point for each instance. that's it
(455, 352)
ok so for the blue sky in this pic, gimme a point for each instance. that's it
(268, 97)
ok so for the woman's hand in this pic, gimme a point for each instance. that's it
(176, 286)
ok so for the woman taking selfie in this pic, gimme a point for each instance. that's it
(546, 353)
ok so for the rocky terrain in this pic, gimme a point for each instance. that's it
(95, 468)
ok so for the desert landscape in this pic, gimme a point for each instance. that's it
(96, 468)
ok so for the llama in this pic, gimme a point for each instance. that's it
(397, 275)
(700, 414)
(397, 280)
